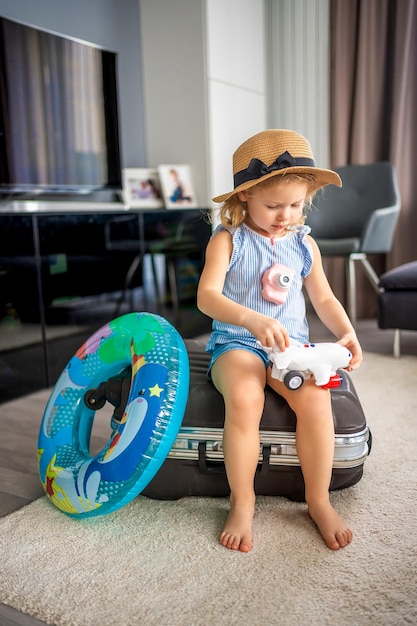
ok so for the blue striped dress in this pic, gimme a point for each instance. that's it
(252, 255)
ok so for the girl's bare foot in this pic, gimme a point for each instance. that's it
(331, 526)
(237, 532)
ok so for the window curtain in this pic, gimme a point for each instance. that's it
(373, 104)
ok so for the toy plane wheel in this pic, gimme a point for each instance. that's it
(293, 380)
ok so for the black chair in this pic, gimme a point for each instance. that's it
(397, 301)
(357, 219)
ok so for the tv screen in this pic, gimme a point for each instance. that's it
(59, 129)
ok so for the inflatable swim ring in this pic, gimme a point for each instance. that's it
(147, 350)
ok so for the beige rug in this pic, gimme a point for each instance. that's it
(159, 563)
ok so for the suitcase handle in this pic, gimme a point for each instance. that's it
(218, 468)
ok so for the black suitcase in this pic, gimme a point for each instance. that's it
(195, 466)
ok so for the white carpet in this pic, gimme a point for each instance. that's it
(159, 563)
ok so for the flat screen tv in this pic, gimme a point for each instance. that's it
(59, 130)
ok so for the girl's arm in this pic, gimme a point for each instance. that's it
(212, 302)
(329, 309)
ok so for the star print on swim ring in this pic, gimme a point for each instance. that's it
(139, 363)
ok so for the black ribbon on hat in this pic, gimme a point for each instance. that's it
(257, 168)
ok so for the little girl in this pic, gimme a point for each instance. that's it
(262, 223)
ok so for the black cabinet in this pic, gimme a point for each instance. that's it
(63, 274)
(71, 261)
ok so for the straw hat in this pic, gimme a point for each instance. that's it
(274, 153)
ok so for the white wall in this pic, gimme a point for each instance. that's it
(175, 97)
(267, 66)
(204, 84)
(236, 82)
(218, 71)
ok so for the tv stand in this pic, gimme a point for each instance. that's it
(56, 258)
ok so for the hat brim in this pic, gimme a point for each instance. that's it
(323, 177)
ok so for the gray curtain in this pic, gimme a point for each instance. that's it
(374, 111)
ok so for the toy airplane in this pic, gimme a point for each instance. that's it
(299, 361)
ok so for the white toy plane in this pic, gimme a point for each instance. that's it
(299, 361)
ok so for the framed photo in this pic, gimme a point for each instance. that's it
(177, 186)
(141, 188)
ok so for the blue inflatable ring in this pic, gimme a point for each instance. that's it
(82, 485)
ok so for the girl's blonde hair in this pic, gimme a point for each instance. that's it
(233, 211)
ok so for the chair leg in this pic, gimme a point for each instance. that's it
(159, 296)
(351, 281)
(370, 272)
(173, 287)
(128, 279)
(397, 342)
(351, 289)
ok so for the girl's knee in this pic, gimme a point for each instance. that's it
(313, 395)
(309, 400)
(245, 400)
(244, 405)
(244, 392)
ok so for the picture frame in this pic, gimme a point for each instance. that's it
(142, 188)
(177, 186)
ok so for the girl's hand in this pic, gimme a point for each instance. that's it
(268, 332)
(350, 341)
